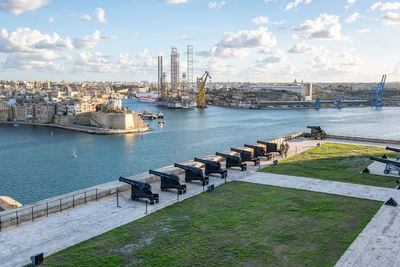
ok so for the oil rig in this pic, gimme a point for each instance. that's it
(181, 93)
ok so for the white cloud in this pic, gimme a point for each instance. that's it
(215, 4)
(149, 60)
(273, 57)
(248, 38)
(51, 20)
(87, 41)
(109, 37)
(301, 48)
(173, 1)
(238, 44)
(86, 17)
(260, 20)
(386, 6)
(25, 40)
(17, 7)
(100, 13)
(324, 27)
(225, 52)
(295, 3)
(98, 62)
(353, 17)
(391, 18)
(364, 30)
(349, 4)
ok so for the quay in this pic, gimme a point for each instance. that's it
(111, 207)
(80, 128)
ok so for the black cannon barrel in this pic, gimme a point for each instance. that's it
(168, 176)
(393, 149)
(314, 127)
(255, 147)
(210, 162)
(195, 170)
(141, 185)
(387, 161)
(265, 143)
(236, 158)
(241, 151)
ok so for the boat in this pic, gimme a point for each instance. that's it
(15, 124)
(150, 97)
(161, 123)
(160, 115)
(74, 156)
(147, 115)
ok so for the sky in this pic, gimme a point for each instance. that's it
(235, 40)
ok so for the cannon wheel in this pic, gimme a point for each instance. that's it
(386, 172)
(244, 168)
(224, 175)
(152, 202)
(162, 189)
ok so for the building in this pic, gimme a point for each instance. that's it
(3, 110)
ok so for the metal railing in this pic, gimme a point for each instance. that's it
(19, 215)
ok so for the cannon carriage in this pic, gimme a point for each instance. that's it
(270, 147)
(169, 181)
(246, 155)
(391, 165)
(140, 190)
(193, 174)
(260, 151)
(211, 167)
(233, 161)
(316, 132)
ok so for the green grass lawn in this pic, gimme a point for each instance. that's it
(238, 224)
(336, 162)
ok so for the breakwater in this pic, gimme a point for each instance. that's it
(80, 128)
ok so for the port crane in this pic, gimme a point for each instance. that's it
(377, 94)
(201, 97)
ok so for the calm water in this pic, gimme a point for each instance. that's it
(35, 164)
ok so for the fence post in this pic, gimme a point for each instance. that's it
(60, 205)
(47, 209)
(146, 206)
(116, 189)
(16, 216)
(96, 194)
(85, 198)
(0, 223)
(32, 214)
(73, 201)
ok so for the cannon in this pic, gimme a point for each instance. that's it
(140, 190)
(169, 181)
(212, 167)
(271, 147)
(193, 173)
(246, 156)
(233, 161)
(391, 165)
(316, 132)
(395, 150)
(259, 151)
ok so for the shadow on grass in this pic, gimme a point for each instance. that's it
(336, 162)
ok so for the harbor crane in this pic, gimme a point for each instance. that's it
(377, 93)
(201, 97)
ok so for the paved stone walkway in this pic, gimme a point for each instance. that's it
(378, 244)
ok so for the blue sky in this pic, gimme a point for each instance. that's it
(235, 40)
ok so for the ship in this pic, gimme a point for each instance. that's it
(149, 97)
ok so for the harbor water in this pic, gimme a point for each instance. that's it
(38, 162)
